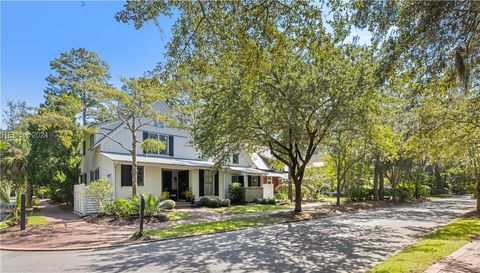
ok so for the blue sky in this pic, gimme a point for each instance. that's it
(34, 33)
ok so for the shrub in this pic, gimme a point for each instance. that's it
(152, 204)
(100, 190)
(120, 208)
(281, 196)
(270, 201)
(236, 193)
(167, 204)
(35, 201)
(225, 203)
(203, 201)
(424, 191)
(360, 193)
(213, 203)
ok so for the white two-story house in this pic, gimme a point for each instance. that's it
(175, 169)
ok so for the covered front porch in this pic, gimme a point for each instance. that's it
(180, 177)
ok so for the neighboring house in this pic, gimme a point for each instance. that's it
(175, 169)
(274, 177)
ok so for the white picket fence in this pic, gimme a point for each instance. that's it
(83, 204)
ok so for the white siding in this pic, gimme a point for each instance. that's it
(152, 182)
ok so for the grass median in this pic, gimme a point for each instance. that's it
(239, 209)
(213, 226)
(432, 248)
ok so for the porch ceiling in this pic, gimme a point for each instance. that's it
(160, 160)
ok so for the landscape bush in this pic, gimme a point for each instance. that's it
(213, 203)
(167, 204)
(101, 191)
(225, 203)
(281, 196)
(360, 193)
(236, 193)
(203, 201)
(35, 201)
(265, 201)
(119, 208)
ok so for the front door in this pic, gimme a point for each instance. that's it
(182, 183)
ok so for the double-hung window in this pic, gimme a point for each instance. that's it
(208, 183)
(235, 158)
(158, 137)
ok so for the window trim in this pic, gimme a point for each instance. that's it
(211, 175)
(84, 147)
(237, 155)
(167, 143)
(92, 140)
(140, 176)
(158, 123)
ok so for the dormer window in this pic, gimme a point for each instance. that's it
(158, 123)
(235, 158)
(92, 140)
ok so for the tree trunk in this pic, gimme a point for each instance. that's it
(29, 194)
(477, 195)
(298, 196)
(134, 165)
(375, 179)
(381, 182)
(290, 189)
(84, 109)
(339, 190)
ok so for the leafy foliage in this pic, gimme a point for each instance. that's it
(236, 193)
(101, 190)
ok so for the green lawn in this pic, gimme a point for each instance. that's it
(36, 218)
(435, 246)
(181, 215)
(33, 218)
(332, 199)
(213, 226)
(250, 208)
(4, 224)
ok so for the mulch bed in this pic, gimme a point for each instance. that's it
(131, 220)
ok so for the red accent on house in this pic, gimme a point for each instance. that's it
(275, 181)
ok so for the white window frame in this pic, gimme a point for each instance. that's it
(165, 151)
(269, 180)
(238, 158)
(208, 183)
(158, 123)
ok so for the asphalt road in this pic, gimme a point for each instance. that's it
(346, 243)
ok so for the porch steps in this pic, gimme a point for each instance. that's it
(183, 205)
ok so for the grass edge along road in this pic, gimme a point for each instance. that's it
(212, 226)
(432, 248)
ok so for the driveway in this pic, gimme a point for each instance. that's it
(346, 243)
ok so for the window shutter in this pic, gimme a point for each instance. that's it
(249, 180)
(97, 174)
(140, 176)
(170, 145)
(259, 181)
(241, 180)
(126, 175)
(201, 178)
(145, 136)
(216, 184)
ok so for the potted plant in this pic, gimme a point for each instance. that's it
(188, 194)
